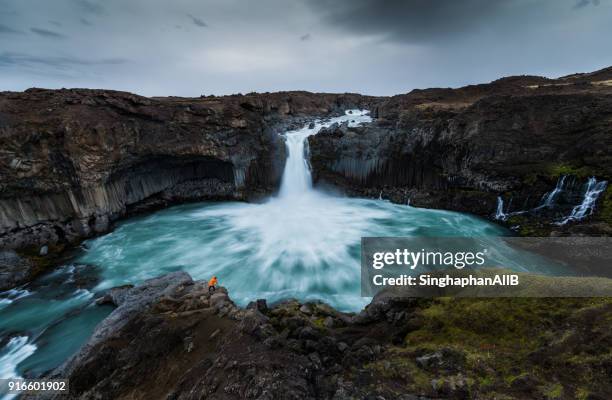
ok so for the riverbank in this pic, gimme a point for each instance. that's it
(170, 337)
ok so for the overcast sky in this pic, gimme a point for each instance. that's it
(379, 47)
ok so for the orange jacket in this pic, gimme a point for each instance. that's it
(212, 281)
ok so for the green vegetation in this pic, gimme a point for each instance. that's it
(43, 263)
(529, 227)
(556, 170)
(506, 348)
(605, 211)
(554, 391)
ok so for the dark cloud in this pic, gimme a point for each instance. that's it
(90, 6)
(9, 59)
(369, 46)
(585, 3)
(8, 29)
(197, 21)
(47, 33)
(56, 23)
(412, 21)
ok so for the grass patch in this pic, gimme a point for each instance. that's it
(528, 227)
(556, 170)
(514, 348)
(553, 392)
(605, 211)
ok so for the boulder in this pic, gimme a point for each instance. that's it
(14, 270)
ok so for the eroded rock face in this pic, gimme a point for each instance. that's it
(169, 338)
(461, 149)
(14, 270)
(73, 161)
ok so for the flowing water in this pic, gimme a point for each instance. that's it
(592, 192)
(302, 243)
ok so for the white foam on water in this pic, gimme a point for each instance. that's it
(82, 294)
(299, 234)
(15, 351)
(301, 243)
(12, 295)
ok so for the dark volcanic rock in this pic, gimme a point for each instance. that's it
(14, 270)
(75, 160)
(169, 338)
(461, 149)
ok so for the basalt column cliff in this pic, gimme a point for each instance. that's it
(498, 150)
(72, 161)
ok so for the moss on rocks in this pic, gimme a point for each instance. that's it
(556, 170)
(528, 227)
(513, 348)
(605, 211)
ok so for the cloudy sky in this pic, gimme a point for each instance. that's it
(379, 47)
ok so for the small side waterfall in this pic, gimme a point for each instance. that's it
(593, 190)
(586, 207)
(549, 198)
(499, 213)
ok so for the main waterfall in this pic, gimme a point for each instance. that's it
(296, 178)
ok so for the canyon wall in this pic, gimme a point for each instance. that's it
(72, 161)
(473, 149)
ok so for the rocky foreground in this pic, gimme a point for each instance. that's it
(170, 339)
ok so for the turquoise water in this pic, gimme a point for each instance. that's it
(258, 255)
(302, 243)
(255, 250)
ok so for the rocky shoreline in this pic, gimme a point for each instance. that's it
(169, 338)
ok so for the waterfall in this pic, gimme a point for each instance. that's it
(549, 198)
(296, 178)
(593, 190)
(499, 213)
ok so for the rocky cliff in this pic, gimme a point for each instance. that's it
(72, 161)
(169, 338)
(502, 146)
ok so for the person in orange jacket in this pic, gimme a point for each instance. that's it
(211, 284)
